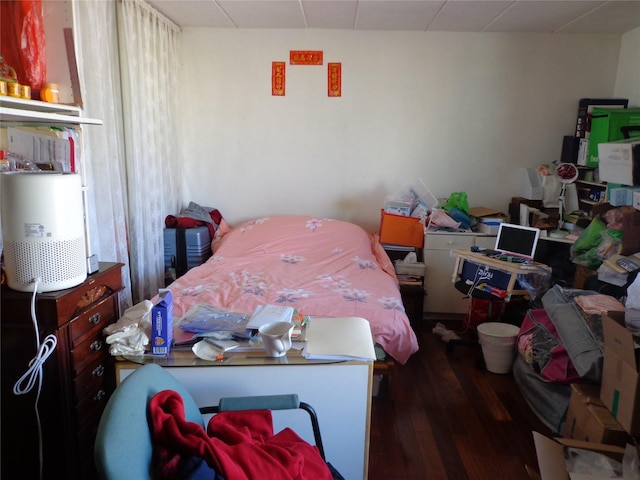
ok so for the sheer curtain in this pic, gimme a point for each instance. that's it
(97, 57)
(129, 74)
(149, 72)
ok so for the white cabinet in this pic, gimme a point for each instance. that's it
(339, 392)
(442, 297)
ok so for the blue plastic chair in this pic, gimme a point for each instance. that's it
(123, 447)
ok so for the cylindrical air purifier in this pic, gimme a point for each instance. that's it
(43, 230)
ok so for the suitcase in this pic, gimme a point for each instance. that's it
(185, 248)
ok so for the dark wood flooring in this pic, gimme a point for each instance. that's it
(450, 419)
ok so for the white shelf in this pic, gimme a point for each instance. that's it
(592, 183)
(21, 111)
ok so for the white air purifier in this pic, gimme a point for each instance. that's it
(43, 230)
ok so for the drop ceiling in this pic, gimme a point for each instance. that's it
(531, 16)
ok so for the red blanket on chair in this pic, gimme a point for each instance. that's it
(239, 445)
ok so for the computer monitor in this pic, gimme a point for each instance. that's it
(517, 240)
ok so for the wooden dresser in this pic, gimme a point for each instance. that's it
(78, 377)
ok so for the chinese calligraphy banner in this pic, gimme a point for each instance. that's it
(305, 57)
(334, 79)
(278, 74)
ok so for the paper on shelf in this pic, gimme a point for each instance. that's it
(343, 338)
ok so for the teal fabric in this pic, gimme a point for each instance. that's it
(123, 446)
(258, 402)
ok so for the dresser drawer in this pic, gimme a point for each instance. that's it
(96, 399)
(93, 377)
(93, 345)
(448, 242)
(94, 319)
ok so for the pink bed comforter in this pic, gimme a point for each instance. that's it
(319, 266)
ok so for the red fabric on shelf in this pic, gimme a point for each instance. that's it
(181, 221)
(240, 445)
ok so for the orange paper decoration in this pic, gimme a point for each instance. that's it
(278, 74)
(334, 79)
(305, 57)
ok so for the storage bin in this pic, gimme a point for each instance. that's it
(401, 230)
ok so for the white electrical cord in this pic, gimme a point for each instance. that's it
(28, 380)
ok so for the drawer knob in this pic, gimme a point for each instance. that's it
(100, 394)
(95, 319)
(96, 345)
(98, 371)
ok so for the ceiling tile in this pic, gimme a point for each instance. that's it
(611, 17)
(558, 16)
(264, 13)
(193, 13)
(467, 15)
(539, 16)
(396, 14)
(330, 13)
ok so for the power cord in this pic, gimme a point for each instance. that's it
(34, 374)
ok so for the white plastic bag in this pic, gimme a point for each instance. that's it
(632, 307)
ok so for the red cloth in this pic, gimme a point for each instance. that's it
(180, 221)
(239, 445)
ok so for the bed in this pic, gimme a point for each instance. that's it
(321, 267)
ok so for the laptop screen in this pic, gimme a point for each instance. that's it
(517, 240)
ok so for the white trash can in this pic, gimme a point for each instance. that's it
(498, 345)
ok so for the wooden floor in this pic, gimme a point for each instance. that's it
(450, 419)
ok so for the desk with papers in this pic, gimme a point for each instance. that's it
(339, 390)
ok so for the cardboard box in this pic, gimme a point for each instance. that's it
(401, 230)
(630, 230)
(620, 390)
(487, 220)
(620, 161)
(551, 456)
(162, 323)
(590, 420)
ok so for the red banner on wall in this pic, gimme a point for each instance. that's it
(334, 79)
(278, 77)
(305, 57)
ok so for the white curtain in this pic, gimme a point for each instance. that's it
(149, 63)
(97, 57)
(131, 77)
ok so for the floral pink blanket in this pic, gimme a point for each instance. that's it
(319, 266)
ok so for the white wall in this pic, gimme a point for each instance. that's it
(628, 79)
(464, 112)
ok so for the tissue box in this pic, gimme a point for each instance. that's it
(621, 196)
(162, 323)
(415, 269)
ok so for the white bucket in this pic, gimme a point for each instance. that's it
(498, 345)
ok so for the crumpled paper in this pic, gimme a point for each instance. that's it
(130, 334)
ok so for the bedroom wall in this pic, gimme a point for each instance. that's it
(463, 112)
(628, 78)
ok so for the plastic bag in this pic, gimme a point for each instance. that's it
(458, 200)
(22, 40)
(440, 218)
(632, 307)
